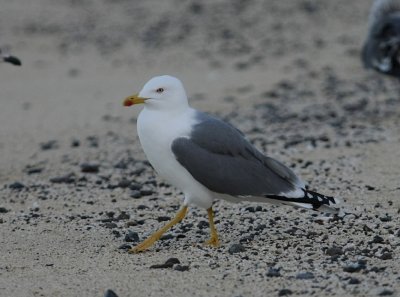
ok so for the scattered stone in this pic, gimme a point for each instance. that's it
(3, 210)
(66, 179)
(132, 236)
(125, 246)
(146, 192)
(181, 267)
(75, 143)
(16, 186)
(123, 216)
(90, 168)
(354, 267)
(203, 225)
(33, 169)
(110, 225)
(50, 145)
(273, 272)
(236, 248)
(167, 236)
(135, 194)
(163, 218)
(386, 256)
(354, 281)
(168, 264)
(110, 293)
(305, 275)
(377, 239)
(385, 292)
(334, 251)
(285, 292)
(124, 183)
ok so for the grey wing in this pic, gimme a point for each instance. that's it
(219, 157)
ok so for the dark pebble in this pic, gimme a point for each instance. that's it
(110, 225)
(377, 239)
(52, 144)
(386, 256)
(168, 264)
(110, 293)
(135, 194)
(181, 267)
(132, 236)
(146, 192)
(273, 272)
(354, 281)
(236, 248)
(16, 186)
(334, 251)
(163, 218)
(75, 143)
(66, 179)
(203, 224)
(386, 218)
(142, 207)
(305, 275)
(124, 183)
(167, 237)
(33, 170)
(250, 209)
(90, 168)
(246, 239)
(285, 292)
(354, 267)
(123, 216)
(135, 186)
(3, 210)
(125, 246)
(386, 292)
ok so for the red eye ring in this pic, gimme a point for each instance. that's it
(160, 90)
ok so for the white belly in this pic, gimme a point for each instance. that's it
(156, 133)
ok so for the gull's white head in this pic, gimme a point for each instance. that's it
(160, 92)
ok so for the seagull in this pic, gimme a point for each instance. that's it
(381, 50)
(208, 159)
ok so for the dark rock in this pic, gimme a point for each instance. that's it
(75, 143)
(142, 207)
(135, 194)
(168, 264)
(52, 144)
(334, 251)
(167, 236)
(285, 292)
(386, 218)
(377, 239)
(354, 267)
(386, 256)
(202, 225)
(33, 169)
(134, 186)
(16, 186)
(305, 275)
(163, 218)
(246, 239)
(386, 292)
(354, 281)
(236, 248)
(250, 209)
(66, 179)
(110, 293)
(124, 183)
(116, 233)
(110, 225)
(90, 168)
(181, 267)
(125, 246)
(146, 192)
(3, 210)
(123, 216)
(132, 236)
(273, 272)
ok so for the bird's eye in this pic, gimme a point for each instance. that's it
(160, 90)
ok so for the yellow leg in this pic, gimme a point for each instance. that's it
(214, 241)
(156, 236)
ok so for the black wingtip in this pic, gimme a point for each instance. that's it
(12, 60)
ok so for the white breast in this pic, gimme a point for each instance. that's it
(157, 130)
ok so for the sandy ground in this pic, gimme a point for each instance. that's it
(286, 72)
